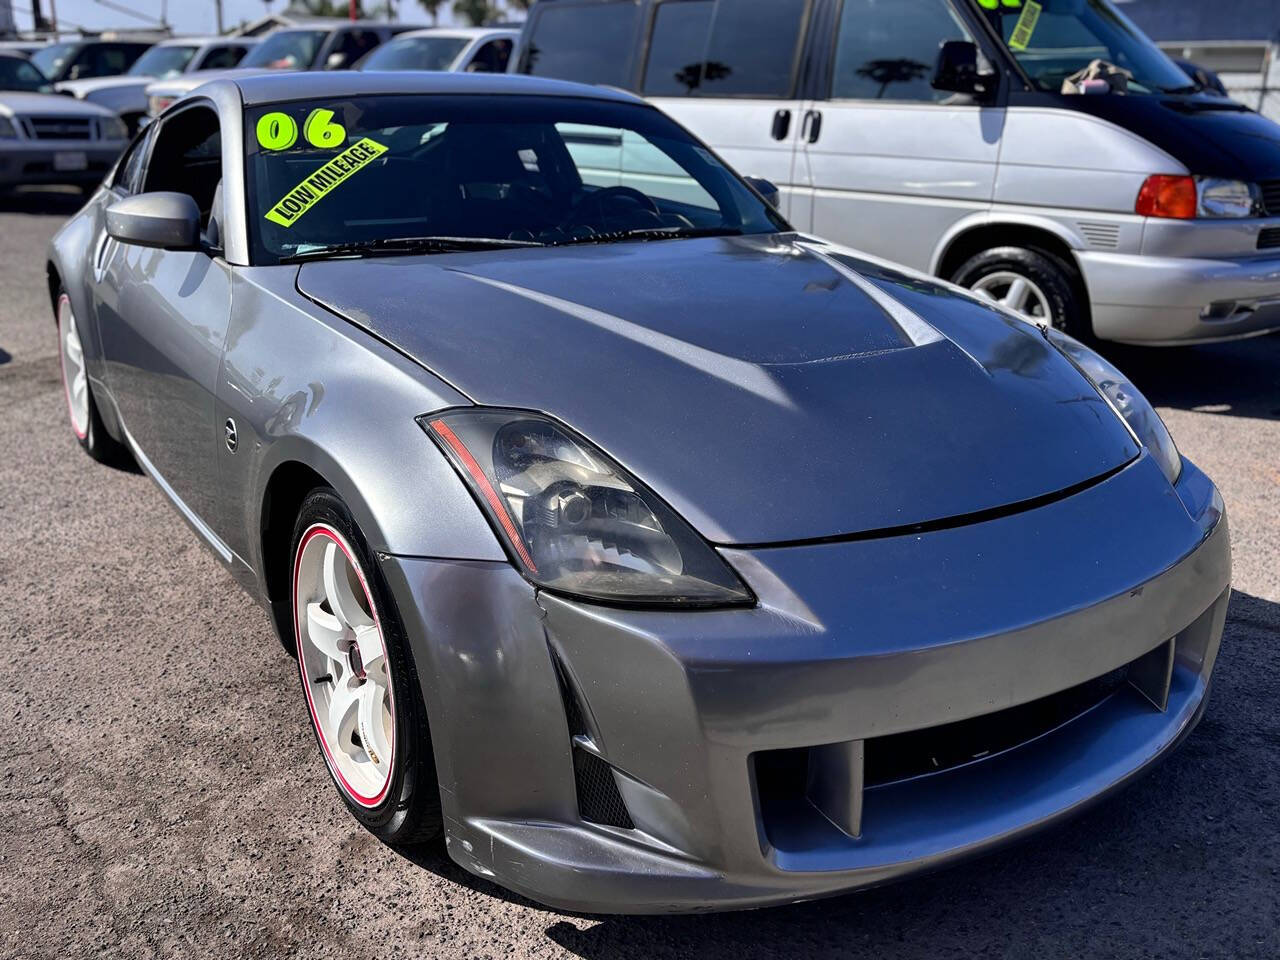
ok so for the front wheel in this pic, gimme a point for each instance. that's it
(358, 678)
(1035, 284)
(82, 409)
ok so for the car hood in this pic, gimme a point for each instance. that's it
(82, 88)
(770, 388)
(177, 86)
(49, 105)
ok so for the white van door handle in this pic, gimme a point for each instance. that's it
(811, 129)
(781, 124)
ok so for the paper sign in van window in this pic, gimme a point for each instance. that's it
(1025, 26)
(314, 188)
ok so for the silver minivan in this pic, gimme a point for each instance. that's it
(1044, 154)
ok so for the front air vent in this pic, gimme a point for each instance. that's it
(1269, 238)
(599, 800)
(1104, 236)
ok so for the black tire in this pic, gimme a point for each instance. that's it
(94, 440)
(409, 811)
(1058, 280)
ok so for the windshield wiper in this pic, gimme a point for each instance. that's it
(394, 246)
(649, 233)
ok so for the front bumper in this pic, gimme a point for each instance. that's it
(1160, 300)
(853, 643)
(32, 162)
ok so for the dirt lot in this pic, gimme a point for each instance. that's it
(161, 796)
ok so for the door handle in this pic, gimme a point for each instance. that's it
(812, 128)
(781, 124)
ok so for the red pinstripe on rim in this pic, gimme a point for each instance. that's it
(329, 533)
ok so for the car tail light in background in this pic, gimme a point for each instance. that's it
(1163, 195)
(158, 105)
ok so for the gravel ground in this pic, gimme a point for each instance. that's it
(161, 795)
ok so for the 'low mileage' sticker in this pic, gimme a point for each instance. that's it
(317, 186)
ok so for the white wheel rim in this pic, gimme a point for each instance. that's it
(1017, 293)
(343, 659)
(75, 382)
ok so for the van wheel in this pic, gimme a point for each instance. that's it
(1034, 284)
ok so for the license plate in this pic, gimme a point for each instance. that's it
(70, 160)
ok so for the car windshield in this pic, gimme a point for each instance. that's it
(415, 53)
(286, 50)
(394, 174)
(50, 59)
(162, 62)
(1053, 39)
(16, 74)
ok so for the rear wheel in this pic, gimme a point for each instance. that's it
(358, 678)
(1033, 283)
(82, 410)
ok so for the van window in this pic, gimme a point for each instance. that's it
(676, 48)
(615, 157)
(732, 48)
(590, 43)
(887, 49)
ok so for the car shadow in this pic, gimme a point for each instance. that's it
(56, 201)
(1180, 863)
(1238, 378)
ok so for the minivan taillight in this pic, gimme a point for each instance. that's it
(1165, 195)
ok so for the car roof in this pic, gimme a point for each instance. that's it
(458, 32)
(269, 88)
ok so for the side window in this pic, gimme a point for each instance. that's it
(676, 47)
(109, 60)
(887, 49)
(610, 157)
(221, 58)
(730, 48)
(352, 45)
(587, 42)
(129, 173)
(187, 157)
(492, 57)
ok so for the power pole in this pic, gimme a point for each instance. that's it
(53, 17)
(217, 6)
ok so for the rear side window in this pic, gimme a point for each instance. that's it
(887, 49)
(221, 58)
(590, 43)
(729, 48)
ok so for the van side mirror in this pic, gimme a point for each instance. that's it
(766, 189)
(962, 69)
(167, 221)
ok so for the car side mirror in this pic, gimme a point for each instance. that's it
(766, 188)
(167, 221)
(335, 61)
(962, 69)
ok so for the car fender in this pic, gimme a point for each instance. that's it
(988, 219)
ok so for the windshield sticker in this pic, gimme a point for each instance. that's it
(996, 4)
(1025, 26)
(279, 131)
(319, 184)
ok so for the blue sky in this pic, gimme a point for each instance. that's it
(186, 16)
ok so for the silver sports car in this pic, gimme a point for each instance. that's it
(659, 556)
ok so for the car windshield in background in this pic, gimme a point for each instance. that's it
(16, 74)
(50, 59)
(416, 53)
(1056, 38)
(162, 62)
(402, 174)
(286, 50)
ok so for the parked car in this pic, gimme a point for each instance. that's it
(49, 139)
(663, 557)
(937, 133)
(126, 94)
(21, 48)
(314, 45)
(17, 73)
(81, 59)
(473, 49)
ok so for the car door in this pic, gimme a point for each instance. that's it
(163, 320)
(891, 163)
(729, 71)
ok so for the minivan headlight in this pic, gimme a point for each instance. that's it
(1125, 399)
(1226, 198)
(113, 128)
(572, 520)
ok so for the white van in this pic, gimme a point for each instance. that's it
(967, 138)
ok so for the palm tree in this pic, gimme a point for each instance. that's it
(475, 12)
(432, 7)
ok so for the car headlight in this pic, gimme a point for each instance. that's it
(7, 131)
(157, 105)
(112, 128)
(1126, 400)
(1226, 198)
(572, 520)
